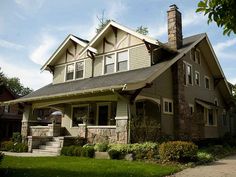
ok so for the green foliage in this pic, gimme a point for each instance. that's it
(114, 154)
(16, 137)
(13, 147)
(222, 12)
(14, 85)
(101, 147)
(142, 30)
(7, 146)
(180, 151)
(87, 151)
(80, 141)
(1, 156)
(204, 157)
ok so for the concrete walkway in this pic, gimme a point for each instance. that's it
(28, 154)
(222, 168)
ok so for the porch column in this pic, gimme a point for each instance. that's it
(25, 122)
(122, 122)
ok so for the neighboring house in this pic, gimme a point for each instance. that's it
(10, 115)
(125, 87)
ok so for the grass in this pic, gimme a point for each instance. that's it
(79, 167)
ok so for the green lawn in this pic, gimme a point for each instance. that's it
(79, 167)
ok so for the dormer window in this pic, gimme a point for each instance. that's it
(70, 72)
(122, 61)
(109, 64)
(79, 70)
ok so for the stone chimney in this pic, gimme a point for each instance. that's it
(175, 38)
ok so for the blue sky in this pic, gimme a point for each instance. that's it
(31, 30)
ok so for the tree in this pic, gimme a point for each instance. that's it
(222, 12)
(102, 22)
(14, 85)
(142, 30)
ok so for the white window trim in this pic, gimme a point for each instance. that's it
(168, 101)
(207, 117)
(191, 106)
(187, 64)
(199, 78)
(116, 61)
(74, 63)
(205, 82)
(109, 112)
(75, 106)
(200, 58)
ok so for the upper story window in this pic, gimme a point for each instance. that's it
(189, 74)
(75, 70)
(198, 56)
(79, 70)
(197, 78)
(109, 66)
(70, 72)
(207, 82)
(122, 61)
(116, 62)
(6, 109)
(191, 108)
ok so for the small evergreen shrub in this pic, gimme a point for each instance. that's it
(20, 147)
(204, 157)
(16, 137)
(180, 151)
(101, 147)
(80, 141)
(88, 151)
(115, 154)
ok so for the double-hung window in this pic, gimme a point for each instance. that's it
(167, 106)
(122, 61)
(109, 65)
(189, 74)
(79, 70)
(70, 72)
(197, 78)
(207, 82)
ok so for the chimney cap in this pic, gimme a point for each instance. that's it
(173, 6)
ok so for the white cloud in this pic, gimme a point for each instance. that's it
(20, 16)
(116, 9)
(191, 18)
(221, 49)
(41, 53)
(30, 5)
(29, 77)
(11, 45)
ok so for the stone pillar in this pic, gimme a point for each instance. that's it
(122, 122)
(25, 122)
(175, 38)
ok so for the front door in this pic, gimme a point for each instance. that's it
(103, 114)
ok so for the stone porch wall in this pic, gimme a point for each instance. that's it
(50, 130)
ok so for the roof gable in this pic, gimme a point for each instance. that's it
(63, 45)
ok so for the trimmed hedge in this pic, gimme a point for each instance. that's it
(180, 151)
(101, 147)
(16, 137)
(86, 151)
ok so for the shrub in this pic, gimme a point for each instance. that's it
(180, 151)
(101, 147)
(87, 151)
(204, 157)
(71, 150)
(80, 141)
(16, 137)
(1, 156)
(114, 154)
(20, 147)
(7, 146)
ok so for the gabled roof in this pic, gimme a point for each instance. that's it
(128, 30)
(76, 39)
(118, 81)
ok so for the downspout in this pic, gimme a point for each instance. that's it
(129, 122)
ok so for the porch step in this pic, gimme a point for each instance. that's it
(52, 148)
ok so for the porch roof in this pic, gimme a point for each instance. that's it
(129, 80)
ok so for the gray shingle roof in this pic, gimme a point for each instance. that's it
(111, 80)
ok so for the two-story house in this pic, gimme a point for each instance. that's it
(124, 87)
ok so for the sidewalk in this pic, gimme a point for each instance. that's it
(221, 168)
(27, 154)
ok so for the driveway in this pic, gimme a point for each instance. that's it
(222, 168)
